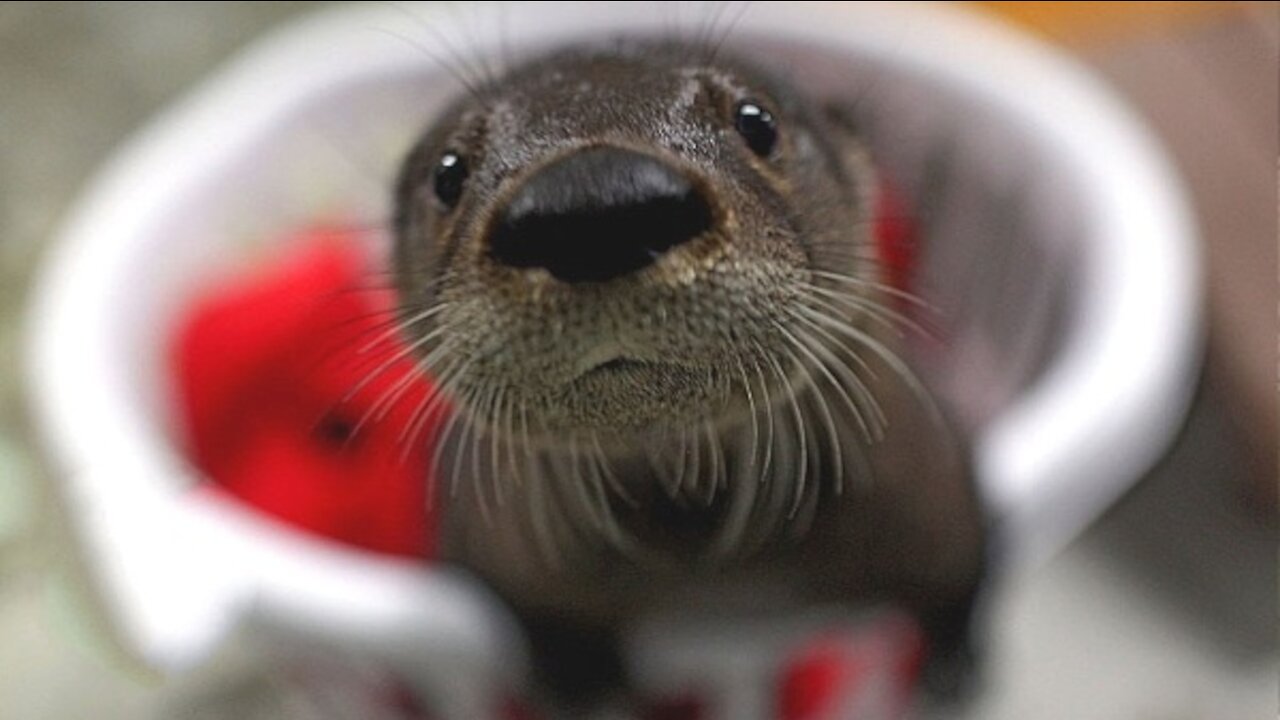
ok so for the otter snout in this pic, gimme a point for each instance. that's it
(598, 214)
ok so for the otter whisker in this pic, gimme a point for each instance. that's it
(495, 436)
(385, 318)
(818, 320)
(820, 399)
(579, 484)
(728, 31)
(860, 390)
(665, 465)
(671, 470)
(377, 412)
(388, 399)
(722, 473)
(435, 400)
(572, 522)
(391, 361)
(833, 365)
(339, 349)
(456, 72)
(879, 286)
(802, 434)
(525, 443)
(872, 311)
(842, 303)
(403, 326)
(483, 410)
(598, 484)
(695, 462)
(536, 483)
(459, 451)
(471, 404)
(871, 430)
(713, 454)
(753, 411)
(468, 27)
(875, 433)
(770, 431)
(601, 495)
(806, 395)
(442, 441)
(831, 314)
(701, 40)
(742, 505)
(782, 480)
(389, 317)
(559, 525)
(504, 38)
(471, 446)
(673, 24)
(906, 374)
(539, 517)
(509, 439)
(678, 470)
(895, 364)
(463, 71)
(618, 486)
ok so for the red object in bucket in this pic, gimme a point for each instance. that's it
(895, 237)
(264, 368)
(869, 674)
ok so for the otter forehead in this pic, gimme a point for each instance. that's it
(626, 89)
(655, 97)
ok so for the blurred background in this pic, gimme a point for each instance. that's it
(1175, 586)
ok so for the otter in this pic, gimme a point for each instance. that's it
(642, 275)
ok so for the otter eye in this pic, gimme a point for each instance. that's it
(451, 174)
(757, 126)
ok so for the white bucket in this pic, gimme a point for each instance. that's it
(1074, 364)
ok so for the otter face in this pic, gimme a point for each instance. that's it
(615, 240)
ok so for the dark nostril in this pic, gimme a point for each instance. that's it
(599, 214)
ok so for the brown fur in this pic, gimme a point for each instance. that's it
(572, 489)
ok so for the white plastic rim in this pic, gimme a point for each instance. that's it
(1101, 414)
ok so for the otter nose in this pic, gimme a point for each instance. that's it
(598, 214)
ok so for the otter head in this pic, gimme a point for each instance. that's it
(617, 240)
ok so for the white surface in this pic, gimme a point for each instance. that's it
(162, 211)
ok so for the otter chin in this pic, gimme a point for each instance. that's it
(642, 275)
